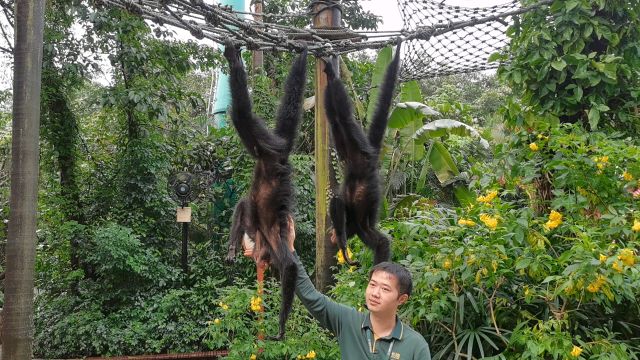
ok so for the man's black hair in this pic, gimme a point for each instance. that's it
(405, 284)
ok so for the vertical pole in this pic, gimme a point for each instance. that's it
(326, 16)
(17, 327)
(185, 243)
(258, 56)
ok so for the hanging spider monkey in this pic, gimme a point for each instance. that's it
(354, 210)
(261, 217)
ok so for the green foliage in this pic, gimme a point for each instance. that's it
(577, 60)
(236, 322)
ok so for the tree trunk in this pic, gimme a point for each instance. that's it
(17, 329)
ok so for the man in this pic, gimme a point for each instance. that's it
(376, 334)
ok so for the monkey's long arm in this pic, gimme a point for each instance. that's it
(380, 118)
(258, 140)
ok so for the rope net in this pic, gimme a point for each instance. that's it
(461, 49)
(439, 39)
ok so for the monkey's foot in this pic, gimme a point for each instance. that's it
(230, 51)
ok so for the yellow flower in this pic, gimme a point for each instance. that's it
(636, 225)
(447, 264)
(533, 146)
(627, 257)
(256, 303)
(555, 219)
(252, 357)
(626, 176)
(603, 258)
(216, 321)
(597, 284)
(582, 191)
(488, 198)
(311, 355)
(340, 257)
(577, 350)
(604, 159)
(490, 221)
(617, 266)
(471, 260)
(494, 265)
(484, 271)
(466, 222)
(527, 292)
(223, 306)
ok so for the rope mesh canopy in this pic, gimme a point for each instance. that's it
(459, 50)
(439, 39)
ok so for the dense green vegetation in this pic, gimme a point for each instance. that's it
(523, 249)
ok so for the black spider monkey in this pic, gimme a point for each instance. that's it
(354, 210)
(263, 214)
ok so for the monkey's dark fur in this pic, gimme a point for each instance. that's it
(354, 210)
(263, 214)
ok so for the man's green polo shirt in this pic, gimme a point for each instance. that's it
(353, 328)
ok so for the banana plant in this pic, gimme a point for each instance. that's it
(408, 118)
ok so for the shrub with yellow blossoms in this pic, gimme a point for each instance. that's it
(490, 221)
(340, 257)
(555, 219)
(487, 198)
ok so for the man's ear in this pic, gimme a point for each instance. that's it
(403, 299)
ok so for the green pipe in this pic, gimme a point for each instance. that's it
(223, 94)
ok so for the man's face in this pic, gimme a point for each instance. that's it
(382, 295)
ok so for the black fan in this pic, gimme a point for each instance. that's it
(184, 187)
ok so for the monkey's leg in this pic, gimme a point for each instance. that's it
(252, 131)
(338, 213)
(290, 110)
(238, 228)
(347, 132)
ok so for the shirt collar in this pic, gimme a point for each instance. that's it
(396, 333)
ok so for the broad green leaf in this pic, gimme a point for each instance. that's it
(410, 91)
(442, 162)
(383, 60)
(407, 112)
(442, 127)
(559, 64)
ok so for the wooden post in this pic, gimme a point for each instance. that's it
(326, 17)
(258, 56)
